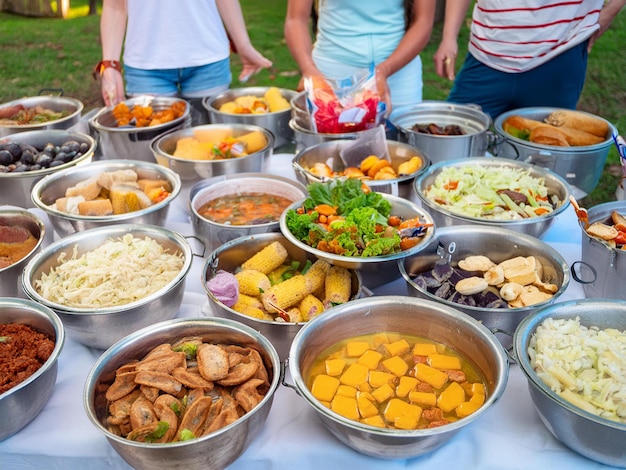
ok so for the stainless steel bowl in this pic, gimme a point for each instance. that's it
(129, 142)
(498, 244)
(17, 186)
(230, 256)
(49, 189)
(305, 137)
(214, 451)
(213, 234)
(594, 437)
(277, 122)
(535, 226)
(375, 270)
(299, 111)
(100, 327)
(328, 152)
(405, 315)
(72, 106)
(11, 276)
(22, 403)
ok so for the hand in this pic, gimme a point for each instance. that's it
(253, 62)
(112, 87)
(383, 89)
(445, 60)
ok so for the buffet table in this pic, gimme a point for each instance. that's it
(510, 436)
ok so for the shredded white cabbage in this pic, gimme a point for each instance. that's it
(584, 365)
(119, 272)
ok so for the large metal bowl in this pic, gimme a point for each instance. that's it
(498, 244)
(49, 189)
(277, 122)
(72, 106)
(535, 226)
(404, 315)
(216, 450)
(17, 186)
(596, 438)
(100, 327)
(328, 152)
(22, 403)
(230, 256)
(11, 276)
(375, 270)
(130, 142)
(212, 233)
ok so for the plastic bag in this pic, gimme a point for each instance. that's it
(370, 142)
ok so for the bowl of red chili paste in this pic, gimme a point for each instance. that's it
(31, 339)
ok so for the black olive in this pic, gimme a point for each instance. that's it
(35, 167)
(44, 160)
(72, 145)
(65, 148)
(61, 156)
(27, 157)
(84, 147)
(5, 157)
(15, 150)
(71, 155)
(49, 149)
(54, 163)
(21, 168)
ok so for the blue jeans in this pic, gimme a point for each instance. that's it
(557, 83)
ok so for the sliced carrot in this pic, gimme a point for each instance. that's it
(451, 185)
(541, 210)
(394, 220)
(325, 209)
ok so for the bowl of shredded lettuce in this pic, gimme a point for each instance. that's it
(496, 192)
(348, 225)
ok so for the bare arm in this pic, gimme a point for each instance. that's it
(445, 57)
(608, 13)
(112, 30)
(298, 37)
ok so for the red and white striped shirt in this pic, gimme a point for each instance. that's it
(515, 36)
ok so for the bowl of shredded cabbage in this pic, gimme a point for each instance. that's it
(490, 191)
(107, 282)
(573, 355)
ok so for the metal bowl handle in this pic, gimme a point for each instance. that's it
(201, 255)
(577, 278)
(495, 144)
(48, 90)
(509, 350)
(283, 368)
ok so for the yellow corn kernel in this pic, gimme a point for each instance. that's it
(316, 276)
(431, 376)
(247, 301)
(424, 349)
(396, 365)
(324, 387)
(325, 403)
(253, 312)
(345, 406)
(337, 286)
(346, 391)
(478, 398)
(365, 387)
(275, 100)
(276, 275)
(310, 307)
(252, 282)
(370, 358)
(367, 409)
(380, 338)
(378, 378)
(356, 348)
(268, 259)
(383, 393)
(477, 388)
(366, 395)
(374, 421)
(466, 408)
(443, 361)
(410, 166)
(423, 398)
(397, 347)
(354, 375)
(451, 397)
(399, 412)
(405, 422)
(334, 367)
(406, 385)
(285, 295)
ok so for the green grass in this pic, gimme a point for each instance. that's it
(51, 53)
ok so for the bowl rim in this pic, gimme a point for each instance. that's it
(107, 165)
(209, 101)
(436, 106)
(535, 171)
(110, 231)
(18, 211)
(521, 338)
(147, 332)
(26, 100)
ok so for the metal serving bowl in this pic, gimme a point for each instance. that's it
(213, 451)
(17, 186)
(277, 122)
(535, 226)
(328, 152)
(213, 234)
(498, 244)
(130, 142)
(72, 106)
(404, 315)
(596, 438)
(49, 189)
(22, 403)
(375, 270)
(100, 327)
(230, 256)
(11, 276)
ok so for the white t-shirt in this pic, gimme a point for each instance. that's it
(516, 35)
(167, 34)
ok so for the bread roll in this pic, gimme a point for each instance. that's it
(580, 121)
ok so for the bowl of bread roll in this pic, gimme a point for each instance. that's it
(574, 144)
(106, 192)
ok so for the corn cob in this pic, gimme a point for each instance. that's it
(252, 282)
(276, 275)
(268, 259)
(286, 294)
(310, 307)
(316, 275)
(295, 316)
(254, 312)
(247, 301)
(338, 286)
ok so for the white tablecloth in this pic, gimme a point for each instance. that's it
(510, 436)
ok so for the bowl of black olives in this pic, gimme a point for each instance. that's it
(26, 157)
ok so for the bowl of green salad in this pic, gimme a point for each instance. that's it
(494, 192)
(344, 223)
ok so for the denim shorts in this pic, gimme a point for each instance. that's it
(204, 80)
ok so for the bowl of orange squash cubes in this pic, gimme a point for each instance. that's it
(397, 377)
